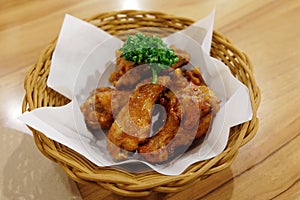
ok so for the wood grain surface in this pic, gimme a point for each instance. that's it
(268, 167)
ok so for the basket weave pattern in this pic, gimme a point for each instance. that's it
(38, 94)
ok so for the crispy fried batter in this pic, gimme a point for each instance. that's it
(133, 77)
(183, 123)
(132, 125)
(204, 125)
(97, 109)
(143, 98)
(154, 150)
(194, 76)
(119, 99)
(184, 57)
(118, 142)
(122, 67)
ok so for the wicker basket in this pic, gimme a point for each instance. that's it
(141, 184)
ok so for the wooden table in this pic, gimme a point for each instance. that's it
(268, 167)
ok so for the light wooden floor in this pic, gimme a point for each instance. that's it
(268, 167)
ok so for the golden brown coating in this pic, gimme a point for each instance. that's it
(119, 99)
(194, 76)
(97, 109)
(209, 100)
(184, 123)
(204, 125)
(122, 67)
(133, 77)
(208, 105)
(118, 142)
(154, 150)
(143, 98)
(132, 125)
(101, 106)
(189, 109)
(183, 57)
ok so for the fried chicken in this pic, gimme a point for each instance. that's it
(126, 110)
(122, 67)
(194, 76)
(155, 149)
(101, 106)
(97, 109)
(132, 125)
(183, 57)
(133, 77)
(188, 117)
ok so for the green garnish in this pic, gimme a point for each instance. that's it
(142, 49)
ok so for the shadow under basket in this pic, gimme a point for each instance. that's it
(81, 170)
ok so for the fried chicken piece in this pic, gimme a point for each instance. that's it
(143, 99)
(119, 99)
(184, 57)
(209, 101)
(208, 105)
(204, 125)
(155, 149)
(194, 76)
(101, 106)
(198, 104)
(133, 77)
(132, 125)
(118, 142)
(97, 109)
(178, 131)
(122, 67)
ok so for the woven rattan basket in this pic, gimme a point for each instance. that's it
(38, 94)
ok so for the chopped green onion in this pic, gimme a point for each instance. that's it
(142, 49)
